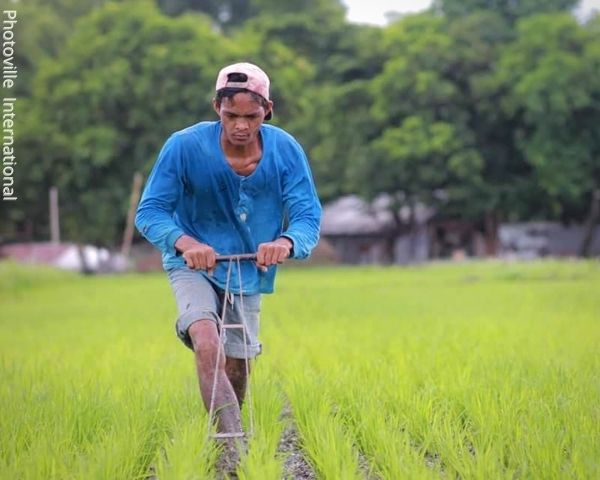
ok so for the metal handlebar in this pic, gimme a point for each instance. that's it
(238, 257)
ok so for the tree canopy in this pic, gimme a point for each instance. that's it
(485, 109)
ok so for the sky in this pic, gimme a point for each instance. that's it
(373, 11)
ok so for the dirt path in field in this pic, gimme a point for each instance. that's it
(365, 467)
(296, 466)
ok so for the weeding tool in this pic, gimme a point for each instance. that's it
(232, 259)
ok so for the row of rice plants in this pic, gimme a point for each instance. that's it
(59, 422)
(495, 379)
(84, 395)
(263, 459)
(95, 385)
(480, 371)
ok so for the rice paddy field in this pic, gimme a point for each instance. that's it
(480, 370)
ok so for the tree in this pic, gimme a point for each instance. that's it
(313, 29)
(336, 129)
(507, 190)
(336, 125)
(232, 14)
(225, 13)
(126, 78)
(41, 30)
(551, 75)
(289, 72)
(332, 63)
(511, 10)
(426, 144)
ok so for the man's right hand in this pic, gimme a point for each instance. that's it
(197, 256)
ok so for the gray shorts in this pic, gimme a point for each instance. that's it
(198, 299)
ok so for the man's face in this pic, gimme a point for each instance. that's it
(241, 117)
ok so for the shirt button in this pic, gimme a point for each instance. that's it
(243, 217)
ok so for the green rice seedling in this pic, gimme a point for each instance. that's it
(262, 460)
(379, 434)
(187, 453)
(329, 448)
(481, 370)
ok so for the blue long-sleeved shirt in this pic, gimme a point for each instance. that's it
(193, 190)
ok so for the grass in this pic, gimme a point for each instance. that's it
(482, 370)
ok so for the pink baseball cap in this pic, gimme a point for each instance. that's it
(255, 80)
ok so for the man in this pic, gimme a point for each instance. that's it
(228, 187)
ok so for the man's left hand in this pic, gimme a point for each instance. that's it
(273, 253)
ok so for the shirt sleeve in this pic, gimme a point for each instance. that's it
(154, 217)
(301, 203)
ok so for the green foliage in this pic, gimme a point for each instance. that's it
(108, 101)
(335, 124)
(289, 72)
(336, 129)
(428, 144)
(423, 157)
(314, 33)
(550, 73)
(223, 13)
(232, 14)
(42, 28)
(496, 378)
(510, 9)
(480, 107)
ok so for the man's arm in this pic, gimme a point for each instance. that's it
(301, 203)
(154, 217)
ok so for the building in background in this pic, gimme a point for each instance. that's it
(369, 233)
(360, 232)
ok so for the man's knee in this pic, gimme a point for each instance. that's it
(204, 336)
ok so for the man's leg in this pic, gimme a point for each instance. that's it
(235, 368)
(205, 339)
(242, 343)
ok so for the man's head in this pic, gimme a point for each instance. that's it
(242, 101)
